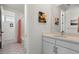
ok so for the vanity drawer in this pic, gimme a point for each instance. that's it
(48, 39)
(47, 48)
(69, 45)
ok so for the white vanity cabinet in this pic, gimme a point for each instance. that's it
(47, 48)
(57, 46)
(65, 47)
(48, 45)
(62, 50)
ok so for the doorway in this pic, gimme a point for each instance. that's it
(9, 23)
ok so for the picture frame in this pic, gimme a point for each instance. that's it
(42, 17)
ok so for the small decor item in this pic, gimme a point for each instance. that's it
(11, 24)
(56, 21)
(74, 25)
(42, 17)
(74, 22)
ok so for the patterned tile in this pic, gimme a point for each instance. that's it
(12, 48)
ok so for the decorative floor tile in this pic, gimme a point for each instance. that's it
(13, 48)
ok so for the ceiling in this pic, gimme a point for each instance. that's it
(18, 7)
(67, 6)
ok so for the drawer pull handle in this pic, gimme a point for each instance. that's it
(55, 49)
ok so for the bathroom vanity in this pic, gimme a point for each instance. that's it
(67, 42)
(56, 43)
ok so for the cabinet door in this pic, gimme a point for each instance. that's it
(51, 40)
(47, 48)
(62, 50)
(68, 44)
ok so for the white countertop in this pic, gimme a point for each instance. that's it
(66, 37)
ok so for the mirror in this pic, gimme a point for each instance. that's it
(70, 18)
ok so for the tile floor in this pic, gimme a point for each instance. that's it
(12, 48)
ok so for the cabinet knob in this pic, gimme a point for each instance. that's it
(55, 49)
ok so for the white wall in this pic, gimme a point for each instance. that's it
(36, 28)
(55, 12)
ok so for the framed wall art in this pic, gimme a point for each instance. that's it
(42, 17)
